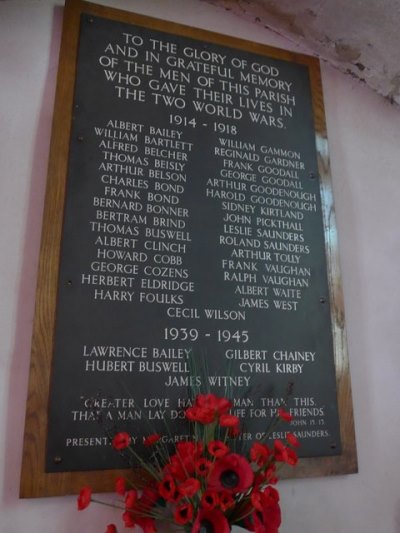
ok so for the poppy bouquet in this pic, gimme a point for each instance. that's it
(207, 485)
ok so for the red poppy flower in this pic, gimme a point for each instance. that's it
(147, 500)
(209, 500)
(292, 440)
(261, 524)
(111, 528)
(260, 500)
(200, 414)
(121, 441)
(219, 405)
(84, 498)
(180, 469)
(259, 453)
(232, 473)
(129, 519)
(147, 524)
(291, 457)
(120, 486)
(229, 421)
(167, 489)
(270, 475)
(207, 408)
(270, 494)
(202, 466)
(234, 432)
(177, 469)
(267, 515)
(189, 449)
(226, 500)
(130, 499)
(217, 448)
(248, 523)
(183, 464)
(280, 451)
(224, 405)
(279, 446)
(189, 487)
(151, 439)
(183, 513)
(256, 500)
(284, 454)
(271, 515)
(259, 479)
(212, 521)
(284, 415)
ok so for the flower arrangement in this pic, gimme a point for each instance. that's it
(206, 486)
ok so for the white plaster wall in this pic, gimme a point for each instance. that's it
(357, 37)
(364, 135)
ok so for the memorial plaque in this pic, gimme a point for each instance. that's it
(193, 249)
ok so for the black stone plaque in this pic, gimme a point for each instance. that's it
(193, 235)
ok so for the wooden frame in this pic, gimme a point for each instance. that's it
(34, 481)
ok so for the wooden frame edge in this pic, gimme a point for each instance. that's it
(35, 482)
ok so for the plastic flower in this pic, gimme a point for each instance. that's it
(189, 487)
(270, 475)
(200, 414)
(183, 464)
(151, 439)
(212, 521)
(229, 421)
(120, 486)
(177, 469)
(207, 408)
(234, 432)
(202, 466)
(84, 498)
(130, 499)
(189, 449)
(203, 480)
(291, 457)
(121, 441)
(262, 499)
(271, 512)
(183, 513)
(209, 500)
(167, 489)
(284, 454)
(284, 415)
(292, 440)
(264, 525)
(231, 473)
(259, 453)
(147, 500)
(217, 448)
(226, 500)
(266, 517)
(219, 405)
(280, 451)
(137, 508)
(147, 524)
(129, 519)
